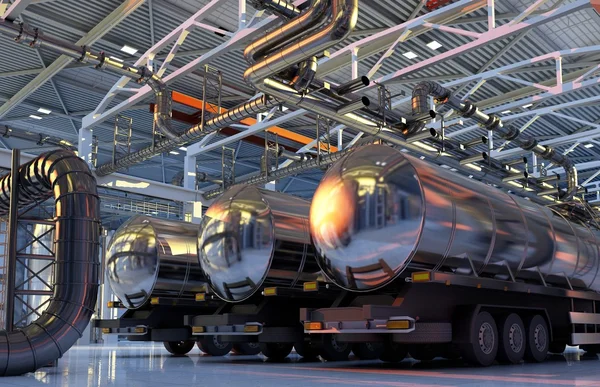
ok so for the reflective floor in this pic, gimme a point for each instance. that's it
(150, 365)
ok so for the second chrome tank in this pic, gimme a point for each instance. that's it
(153, 257)
(378, 210)
(252, 237)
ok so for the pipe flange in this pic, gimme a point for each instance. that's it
(101, 59)
(528, 144)
(512, 134)
(145, 74)
(7, 131)
(85, 54)
(469, 110)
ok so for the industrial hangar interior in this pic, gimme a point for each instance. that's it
(276, 192)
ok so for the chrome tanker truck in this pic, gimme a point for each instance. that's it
(436, 264)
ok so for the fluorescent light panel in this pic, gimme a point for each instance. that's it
(527, 106)
(35, 117)
(117, 59)
(410, 55)
(129, 50)
(505, 112)
(434, 45)
(174, 153)
(44, 111)
(183, 148)
(588, 146)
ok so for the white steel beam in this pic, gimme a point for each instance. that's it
(15, 9)
(486, 38)
(240, 38)
(109, 22)
(197, 148)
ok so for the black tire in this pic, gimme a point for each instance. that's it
(482, 347)
(538, 339)
(512, 339)
(332, 350)
(367, 351)
(179, 348)
(276, 351)
(422, 352)
(393, 352)
(213, 346)
(557, 348)
(247, 349)
(306, 350)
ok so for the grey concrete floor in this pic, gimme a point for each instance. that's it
(149, 365)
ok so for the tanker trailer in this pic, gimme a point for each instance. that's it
(256, 252)
(457, 267)
(152, 268)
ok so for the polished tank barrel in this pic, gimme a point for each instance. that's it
(251, 238)
(378, 211)
(149, 257)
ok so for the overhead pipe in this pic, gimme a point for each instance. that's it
(77, 266)
(33, 37)
(343, 18)
(38, 138)
(286, 154)
(353, 85)
(196, 132)
(352, 106)
(420, 104)
(469, 144)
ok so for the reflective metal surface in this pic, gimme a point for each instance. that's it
(77, 241)
(150, 257)
(253, 237)
(378, 210)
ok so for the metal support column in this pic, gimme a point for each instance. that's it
(11, 259)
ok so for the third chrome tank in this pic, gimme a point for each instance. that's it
(378, 210)
(252, 237)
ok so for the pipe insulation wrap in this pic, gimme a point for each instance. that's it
(77, 266)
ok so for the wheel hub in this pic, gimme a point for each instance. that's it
(337, 346)
(486, 338)
(515, 338)
(218, 343)
(540, 337)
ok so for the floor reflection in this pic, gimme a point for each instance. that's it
(150, 365)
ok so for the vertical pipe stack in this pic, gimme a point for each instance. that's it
(76, 272)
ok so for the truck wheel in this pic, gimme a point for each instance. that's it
(276, 351)
(512, 339)
(393, 352)
(306, 350)
(483, 345)
(179, 348)
(557, 348)
(538, 339)
(247, 349)
(332, 350)
(368, 351)
(212, 345)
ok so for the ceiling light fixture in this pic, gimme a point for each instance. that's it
(117, 59)
(410, 55)
(35, 117)
(174, 153)
(588, 146)
(434, 45)
(183, 148)
(129, 50)
(505, 112)
(527, 106)
(44, 111)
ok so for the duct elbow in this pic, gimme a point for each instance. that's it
(420, 103)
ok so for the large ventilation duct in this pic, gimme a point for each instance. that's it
(378, 211)
(76, 271)
(420, 105)
(252, 238)
(149, 257)
(33, 37)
